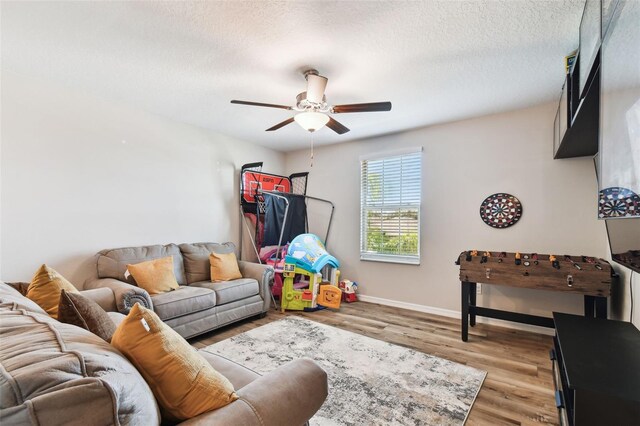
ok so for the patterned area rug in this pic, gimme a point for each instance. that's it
(371, 382)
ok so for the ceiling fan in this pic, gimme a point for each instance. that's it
(312, 107)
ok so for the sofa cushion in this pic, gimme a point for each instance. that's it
(49, 365)
(183, 301)
(112, 263)
(184, 383)
(156, 276)
(197, 323)
(83, 312)
(230, 291)
(46, 287)
(196, 259)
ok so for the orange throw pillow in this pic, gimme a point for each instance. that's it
(45, 289)
(183, 382)
(224, 267)
(156, 276)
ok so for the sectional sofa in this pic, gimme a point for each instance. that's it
(59, 374)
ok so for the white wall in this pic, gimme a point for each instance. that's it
(463, 163)
(81, 174)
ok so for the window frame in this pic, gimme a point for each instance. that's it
(364, 208)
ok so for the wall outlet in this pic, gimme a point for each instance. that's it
(478, 288)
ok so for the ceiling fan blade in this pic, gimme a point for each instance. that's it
(368, 107)
(315, 88)
(337, 127)
(279, 125)
(260, 104)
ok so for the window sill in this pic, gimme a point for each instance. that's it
(402, 260)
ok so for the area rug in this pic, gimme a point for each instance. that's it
(371, 382)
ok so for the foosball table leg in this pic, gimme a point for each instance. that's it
(595, 307)
(472, 301)
(465, 310)
(601, 307)
(589, 306)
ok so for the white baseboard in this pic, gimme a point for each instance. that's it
(454, 314)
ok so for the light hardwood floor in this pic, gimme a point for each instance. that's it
(518, 389)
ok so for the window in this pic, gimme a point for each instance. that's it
(390, 206)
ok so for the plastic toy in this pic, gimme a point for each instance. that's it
(329, 296)
(348, 291)
(307, 258)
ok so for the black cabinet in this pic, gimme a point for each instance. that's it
(596, 371)
(580, 138)
(579, 105)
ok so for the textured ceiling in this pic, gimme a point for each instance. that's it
(437, 61)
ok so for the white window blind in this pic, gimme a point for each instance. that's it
(390, 207)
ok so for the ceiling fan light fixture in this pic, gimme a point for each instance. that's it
(311, 121)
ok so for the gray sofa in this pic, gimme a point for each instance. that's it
(59, 374)
(199, 305)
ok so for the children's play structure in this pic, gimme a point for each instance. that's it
(318, 271)
(274, 213)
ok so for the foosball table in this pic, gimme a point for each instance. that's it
(588, 276)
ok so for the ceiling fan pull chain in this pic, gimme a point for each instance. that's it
(311, 149)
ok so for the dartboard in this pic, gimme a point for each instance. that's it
(501, 210)
(618, 202)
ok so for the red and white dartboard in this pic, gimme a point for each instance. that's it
(501, 210)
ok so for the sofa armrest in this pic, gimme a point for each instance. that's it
(261, 273)
(126, 295)
(289, 395)
(103, 296)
